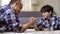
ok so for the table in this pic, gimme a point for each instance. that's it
(32, 31)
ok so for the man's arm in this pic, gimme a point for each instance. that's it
(25, 26)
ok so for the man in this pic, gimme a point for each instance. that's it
(48, 20)
(8, 17)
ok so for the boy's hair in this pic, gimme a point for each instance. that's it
(47, 8)
(13, 1)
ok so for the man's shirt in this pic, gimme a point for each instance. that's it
(9, 17)
(50, 23)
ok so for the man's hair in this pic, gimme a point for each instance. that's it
(47, 8)
(13, 1)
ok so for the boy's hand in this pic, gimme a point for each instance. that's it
(45, 29)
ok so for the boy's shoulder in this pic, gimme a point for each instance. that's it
(54, 17)
(42, 19)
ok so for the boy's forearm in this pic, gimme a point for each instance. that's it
(36, 28)
(45, 29)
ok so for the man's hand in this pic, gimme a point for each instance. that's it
(32, 20)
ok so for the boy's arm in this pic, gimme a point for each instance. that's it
(37, 25)
(45, 29)
(36, 28)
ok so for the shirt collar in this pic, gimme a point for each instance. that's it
(48, 19)
(11, 9)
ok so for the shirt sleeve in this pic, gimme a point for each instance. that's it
(53, 24)
(39, 24)
(13, 22)
(2, 21)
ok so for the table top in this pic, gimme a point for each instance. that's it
(32, 31)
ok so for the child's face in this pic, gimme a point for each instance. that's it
(46, 14)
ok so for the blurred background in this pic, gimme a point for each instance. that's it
(32, 8)
(35, 5)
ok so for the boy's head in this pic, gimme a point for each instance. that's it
(47, 11)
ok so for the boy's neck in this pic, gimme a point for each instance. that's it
(48, 18)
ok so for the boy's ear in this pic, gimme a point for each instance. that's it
(50, 12)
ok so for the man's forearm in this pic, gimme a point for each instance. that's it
(31, 22)
(25, 26)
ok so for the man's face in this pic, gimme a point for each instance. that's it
(18, 7)
(46, 14)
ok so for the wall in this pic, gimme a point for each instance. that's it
(28, 7)
(5, 2)
(54, 3)
(0, 2)
(26, 4)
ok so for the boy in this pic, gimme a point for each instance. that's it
(48, 21)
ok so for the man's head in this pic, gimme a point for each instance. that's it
(16, 5)
(47, 11)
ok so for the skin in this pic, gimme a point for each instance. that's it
(45, 15)
(17, 6)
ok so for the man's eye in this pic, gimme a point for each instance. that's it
(20, 7)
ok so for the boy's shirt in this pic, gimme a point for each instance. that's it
(50, 24)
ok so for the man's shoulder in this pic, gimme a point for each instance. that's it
(6, 9)
(2, 9)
